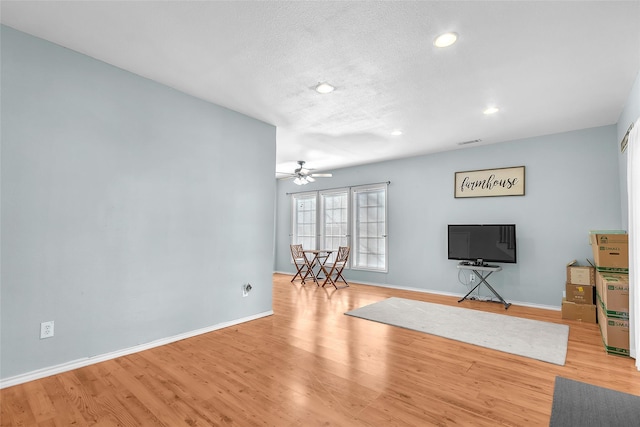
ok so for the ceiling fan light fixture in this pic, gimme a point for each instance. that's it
(301, 176)
(445, 40)
(301, 180)
(324, 88)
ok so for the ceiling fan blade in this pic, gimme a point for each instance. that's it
(302, 175)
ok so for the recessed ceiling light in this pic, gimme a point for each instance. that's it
(324, 87)
(396, 132)
(445, 40)
(491, 110)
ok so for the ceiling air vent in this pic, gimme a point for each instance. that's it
(473, 141)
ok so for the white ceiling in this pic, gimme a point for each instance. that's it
(550, 66)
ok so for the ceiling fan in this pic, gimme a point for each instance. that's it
(301, 175)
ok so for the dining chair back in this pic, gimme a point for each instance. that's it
(335, 273)
(300, 261)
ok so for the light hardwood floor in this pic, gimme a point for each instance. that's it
(310, 365)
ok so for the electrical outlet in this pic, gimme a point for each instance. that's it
(46, 329)
(246, 288)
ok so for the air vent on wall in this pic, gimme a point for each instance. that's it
(473, 141)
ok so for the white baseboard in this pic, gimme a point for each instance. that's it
(79, 363)
(454, 294)
(451, 294)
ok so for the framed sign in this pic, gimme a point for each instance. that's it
(490, 182)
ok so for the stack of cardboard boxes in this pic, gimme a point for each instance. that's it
(579, 302)
(611, 256)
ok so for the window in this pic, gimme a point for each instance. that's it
(369, 250)
(330, 219)
(334, 229)
(304, 220)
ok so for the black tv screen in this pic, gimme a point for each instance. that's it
(481, 243)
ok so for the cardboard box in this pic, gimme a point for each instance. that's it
(615, 334)
(607, 232)
(610, 252)
(580, 275)
(582, 312)
(612, 290)
(580, 294)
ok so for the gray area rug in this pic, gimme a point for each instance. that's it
(524, 337)
(577, 404)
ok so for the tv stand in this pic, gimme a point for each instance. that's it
(483, 271)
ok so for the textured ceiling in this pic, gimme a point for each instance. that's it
(550, 66)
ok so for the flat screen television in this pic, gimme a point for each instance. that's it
(482, 243)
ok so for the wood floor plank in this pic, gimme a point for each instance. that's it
(311, 365)
(40, 403)
(16, 408)
(66, 414)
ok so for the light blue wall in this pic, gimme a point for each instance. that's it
(629, 115)
(130, 211)
(572, 187)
